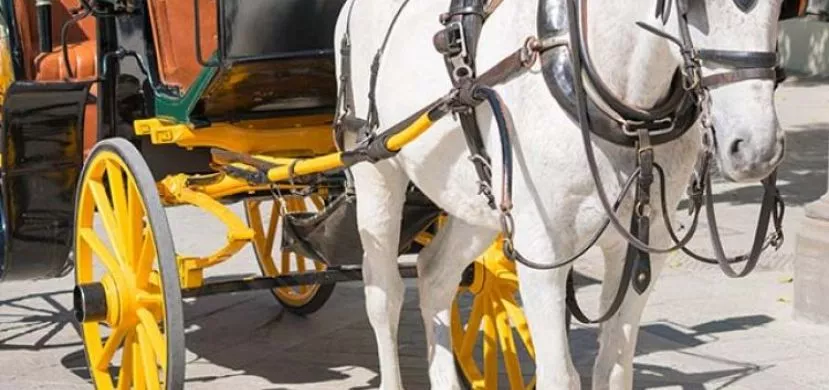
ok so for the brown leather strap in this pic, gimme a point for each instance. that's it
(491, 6)
(507, 69)
(720, 79)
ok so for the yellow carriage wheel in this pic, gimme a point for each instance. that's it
(264, 217)
(491, 338)
(127, 297)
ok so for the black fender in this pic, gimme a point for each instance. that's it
(42, 156)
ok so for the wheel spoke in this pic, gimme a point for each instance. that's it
(148, 300)
(508, 350)
(147, 359)
(300, 267)
(286, 263)
(125, 372)
(136, 232)
(110, 346)
(107, 216)
(91, 239)
(473, 324)
(519, 321)
(144, 262)
(508, 281)
(490, 348)
(117, 192)
(154, 335)
(139, 378)
(467, 362)
(271, 236)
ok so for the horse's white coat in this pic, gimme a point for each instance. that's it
(556, 207)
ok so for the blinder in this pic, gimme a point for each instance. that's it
(745, 5)
(793, 9)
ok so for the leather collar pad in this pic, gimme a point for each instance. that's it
(558, 75)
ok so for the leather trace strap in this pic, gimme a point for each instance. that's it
(373, 120)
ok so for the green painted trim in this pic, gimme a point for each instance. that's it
(179, 108)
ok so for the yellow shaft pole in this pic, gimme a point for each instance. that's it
(334, 160)
(307, 167)
(401, 139)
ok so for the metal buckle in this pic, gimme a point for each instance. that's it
(459, 50)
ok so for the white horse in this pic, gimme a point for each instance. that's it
(556, 205)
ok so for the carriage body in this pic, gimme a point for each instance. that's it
(273, 100)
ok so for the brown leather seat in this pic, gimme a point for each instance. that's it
(83, 60)
(175, 38)
(80, 42)
(82, 52)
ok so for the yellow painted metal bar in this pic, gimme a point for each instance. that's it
(401, 139)
(307, 167)
(335, 160)
(219, 185)
(272, 136)
(238, 235)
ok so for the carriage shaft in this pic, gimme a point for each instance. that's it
(392, 141)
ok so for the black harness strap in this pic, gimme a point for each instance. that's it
(458, 42)
(347, 119)
(373, 120)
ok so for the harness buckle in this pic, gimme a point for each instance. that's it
(452, 43)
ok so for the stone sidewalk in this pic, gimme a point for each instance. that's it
(700, 330)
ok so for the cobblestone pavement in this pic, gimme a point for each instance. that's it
(700, 329)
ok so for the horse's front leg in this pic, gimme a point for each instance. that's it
(440, 266)
(613, 368)
(380, 190)
(543, 298)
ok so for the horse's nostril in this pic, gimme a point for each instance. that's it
(737, 146)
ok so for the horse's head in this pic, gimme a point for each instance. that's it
(747, 135)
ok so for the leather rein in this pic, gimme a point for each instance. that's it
(642, 129)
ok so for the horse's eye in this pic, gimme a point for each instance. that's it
(745, 5)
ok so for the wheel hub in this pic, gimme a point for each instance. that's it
(489, 268)
(105, 301)
(90, 303)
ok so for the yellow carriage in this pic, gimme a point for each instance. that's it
(116, 109)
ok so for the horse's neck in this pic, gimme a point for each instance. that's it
(635, 64)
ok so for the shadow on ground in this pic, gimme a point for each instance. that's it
(31, 322)
(275, 355)
(664, 336)
(247, 334)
